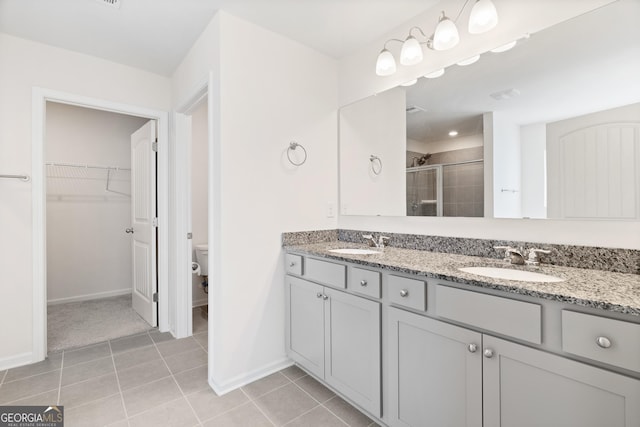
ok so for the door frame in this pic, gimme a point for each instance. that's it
(40, 96)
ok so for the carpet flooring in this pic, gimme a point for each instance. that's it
(77, 324)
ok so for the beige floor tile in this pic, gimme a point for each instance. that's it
(142, 374)
(202, 338)
(88, 391)
(135, 357)
(285, 404)
(319, 416)
(123, 423)
(193, 380)
(87, 370)
(52, 363)
(2, 375)
(188, 360)
(130, 343)
(158, 337)
(86, 354)
(96, 414)
(243, 416)
(29, 386)
(176, 413)
(150, 395)
(47, 398)
(293, 372)
(200, 323)
(208, 405)
(315, 389)
(347, 413)
(265, 385)
(171, 348)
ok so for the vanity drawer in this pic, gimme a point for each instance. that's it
(325, 272)
(364, 282)
(505, 316)
(409, 293)
(606, 340)
(293, 264)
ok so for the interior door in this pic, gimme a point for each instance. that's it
(143, 231)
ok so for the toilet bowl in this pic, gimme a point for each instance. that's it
(202, 258)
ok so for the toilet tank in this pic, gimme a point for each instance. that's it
(202, 258)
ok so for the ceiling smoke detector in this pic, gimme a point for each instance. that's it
(112, 3)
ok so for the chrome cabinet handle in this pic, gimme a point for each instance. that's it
(129, 230)
(324, 297)
(472, 348)
(319, 295)
(603, 342)
(488, 353)
(404, 293)
(293, 264)
(363, 282)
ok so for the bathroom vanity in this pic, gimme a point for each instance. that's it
(413, 341)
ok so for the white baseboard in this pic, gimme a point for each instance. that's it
(88, 297)
(15, 361)
(249, 377)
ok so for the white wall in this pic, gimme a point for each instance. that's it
(281, 91)
(533, 142)
(199, 192)
(358, 80)
(507, 193)
(457, 143)
(24, 64)
(88, 252)
(374, 126)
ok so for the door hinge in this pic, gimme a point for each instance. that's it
(189, 236)
(155, 221)
(154, 146)
(155, 297)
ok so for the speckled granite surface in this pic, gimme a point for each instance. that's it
(305, 237)
(593, 258)
(612, 291)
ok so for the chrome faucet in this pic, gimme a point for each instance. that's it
(534, 256)
(512, 255)
(380, 243)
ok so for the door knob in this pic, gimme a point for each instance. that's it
(129, 230)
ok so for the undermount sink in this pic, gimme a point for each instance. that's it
(511, 274)
(354, 251)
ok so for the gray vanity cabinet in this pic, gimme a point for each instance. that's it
(526, 387)
(336, 336)
(435, 372)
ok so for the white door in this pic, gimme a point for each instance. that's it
(143, 231)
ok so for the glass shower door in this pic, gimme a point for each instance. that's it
(424, 191)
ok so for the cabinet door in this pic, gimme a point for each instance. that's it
(305, 324)
(435, 373)
(352, 353)
(525, 387)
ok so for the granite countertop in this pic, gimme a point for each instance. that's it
(616, 292)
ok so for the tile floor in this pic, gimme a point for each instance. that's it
(152, 379)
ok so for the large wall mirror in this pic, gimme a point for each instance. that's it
(548, 129)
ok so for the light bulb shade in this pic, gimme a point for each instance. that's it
(469, 61)
(483, 18)
(409, 83)
(385, 65)
(505, 47)
(411, 53)
(446, 35)
(435, 74)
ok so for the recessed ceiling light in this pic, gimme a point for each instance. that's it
(453, 133)
(469, 61)
(409, 83)
(504, 47)
(435, 74)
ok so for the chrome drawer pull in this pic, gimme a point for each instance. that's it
(404, 293)
(472, 348)
(324, 297)
(603, 342)
(293, 264)
(363, 283)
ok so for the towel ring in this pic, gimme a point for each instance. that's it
(373, 159)
(292, 147)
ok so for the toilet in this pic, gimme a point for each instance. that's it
(202, 258)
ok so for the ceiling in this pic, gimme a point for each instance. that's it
(155, 35)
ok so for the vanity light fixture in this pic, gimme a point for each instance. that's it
(435, 74)
(409, 83)
(453, 133)
(469, 61)
(505, 47)
(483, 18)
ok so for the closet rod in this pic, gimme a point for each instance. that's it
(84, 166)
